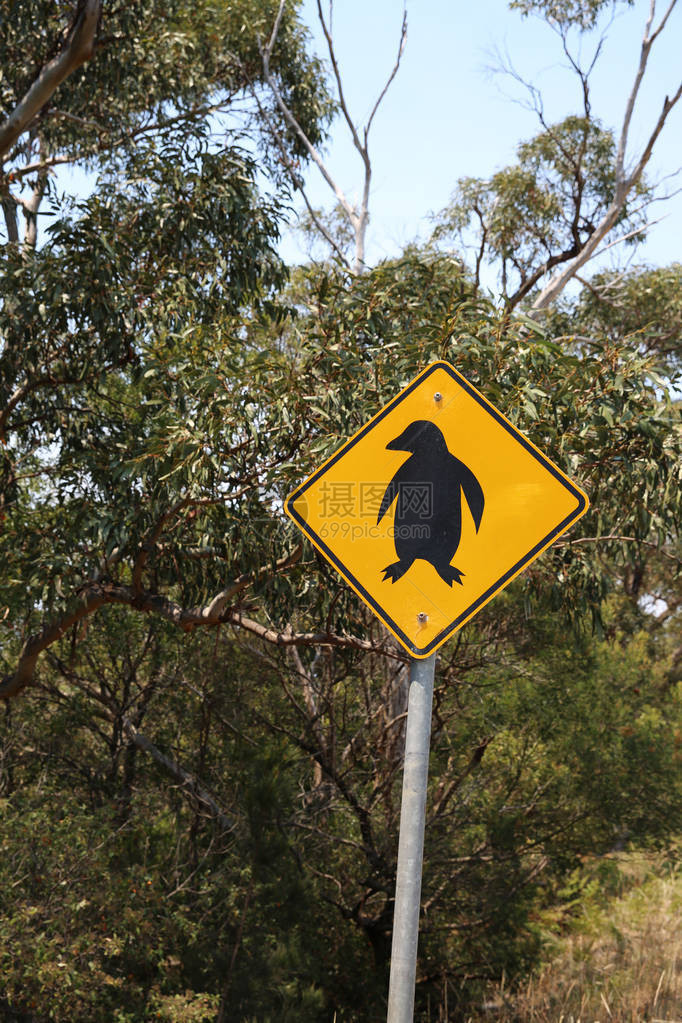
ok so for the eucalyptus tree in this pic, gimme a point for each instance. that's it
(155, 101)
(578, 187)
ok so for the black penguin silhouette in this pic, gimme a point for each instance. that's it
(428, 513)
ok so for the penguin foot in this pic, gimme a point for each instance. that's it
(450, 575)
(395, 571)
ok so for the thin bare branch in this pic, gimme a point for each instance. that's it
(668, 105)
(288, 163)
(185, 779)
(446, 790)
(323, 230)
(647, 43)
(358, 217)
(625, 237)
(664, 19)
(266, 52)
(501, 63)
(394, 72)
(339, 84)
(623, 539)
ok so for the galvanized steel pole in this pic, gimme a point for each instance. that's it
(411, 843)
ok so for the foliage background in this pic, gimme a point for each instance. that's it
(201, 741)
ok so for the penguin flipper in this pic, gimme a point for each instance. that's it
(389, 497)
(473, 493)
(393, 489)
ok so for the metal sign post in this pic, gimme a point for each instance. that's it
(411, 843)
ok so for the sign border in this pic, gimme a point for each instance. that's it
(476, 605)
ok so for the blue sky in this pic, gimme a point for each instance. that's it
(448, 116)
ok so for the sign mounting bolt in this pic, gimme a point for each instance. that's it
(422, 617)
(438, 396)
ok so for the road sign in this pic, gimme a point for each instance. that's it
(433, 507)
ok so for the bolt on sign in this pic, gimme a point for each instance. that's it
(433, 507)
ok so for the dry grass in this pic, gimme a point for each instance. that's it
(622, 963)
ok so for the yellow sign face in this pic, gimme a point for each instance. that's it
(433, 507)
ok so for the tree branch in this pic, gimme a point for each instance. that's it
(295, 177)
(108, 143)
(77, 48)
(150, 540)
(30, 208)
(27, 388)
(266, 52)
(188, 782)
(91, 600)
(339, 84)
(97, 594)
(625, 181)
(358, 218)
(361, 218)
(445, 791)
(287, 637)
(394, 72)
(623, 539)
(9, 210)
(668, 105)
(40, 165)
(647, 43)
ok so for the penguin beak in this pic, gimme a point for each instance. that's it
(399, 443)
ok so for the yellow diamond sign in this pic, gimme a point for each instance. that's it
(433, 507)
